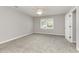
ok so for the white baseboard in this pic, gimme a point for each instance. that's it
(74, 41)
(77, 48)
(14, 38)
(20, 37)
(70, 41)
(52, 34)
(59, 34)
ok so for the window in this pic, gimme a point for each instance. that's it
(47, 23)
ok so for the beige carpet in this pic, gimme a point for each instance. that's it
(38, 43)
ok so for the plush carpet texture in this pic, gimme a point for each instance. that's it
(39, 43)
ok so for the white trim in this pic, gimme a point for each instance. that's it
(14, 38)
(23, 36)
(74, 41)
(73, 9)
(52, 34)
(77, 48)
(70, 41)
(59, 34)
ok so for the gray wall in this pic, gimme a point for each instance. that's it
(59, 23)
(74, 26)
(14, 23)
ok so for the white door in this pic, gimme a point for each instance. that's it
(68, 27)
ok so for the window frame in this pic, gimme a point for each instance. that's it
(46, 21)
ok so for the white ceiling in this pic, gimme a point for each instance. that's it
(48, 10)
